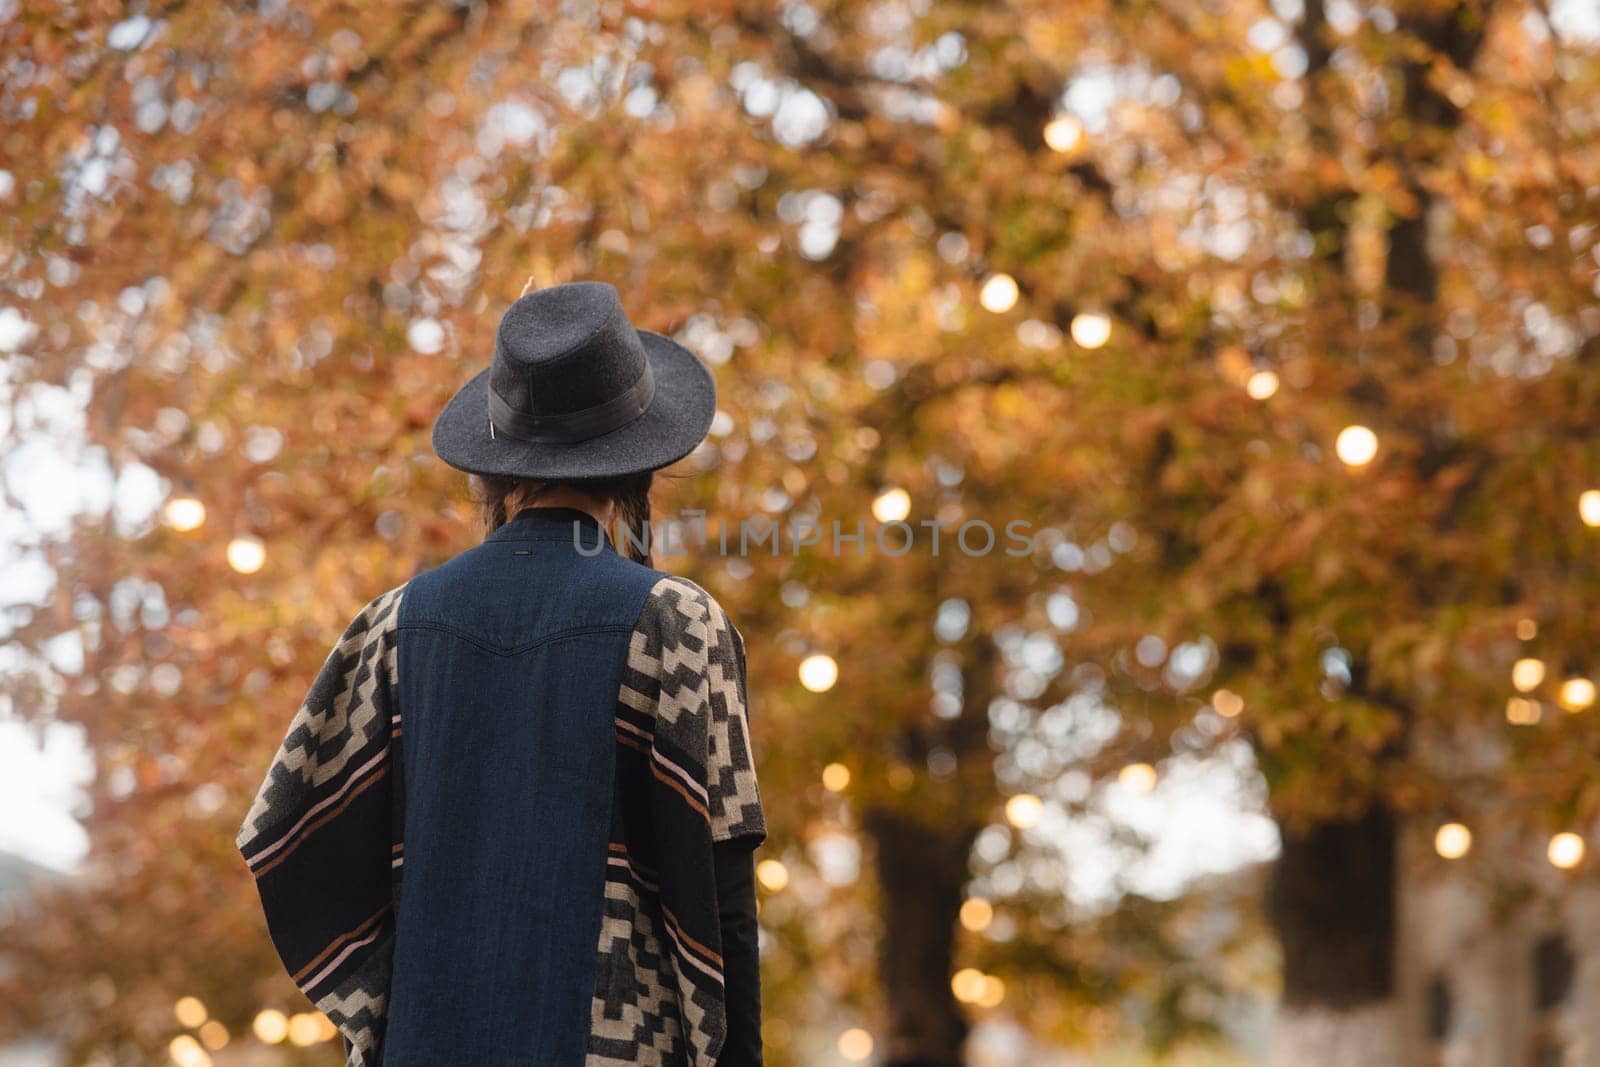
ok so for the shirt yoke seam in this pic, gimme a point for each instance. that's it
(516, 650)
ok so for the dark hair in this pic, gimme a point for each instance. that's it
(502, 499)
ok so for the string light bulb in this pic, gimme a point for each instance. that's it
(1063, 133)
(1090, 329)
(773, 875)
(976, 914)
(967, 984)
(190, 1012)
(247, 554)
(999, 293)
(1452, 840)
(1356, 445)
(1023, 810)
(836, 777)
(818, 672)
(270, 1026)
(1520, 711)
(1589, 507)
(891, 505)
(184, 513)
(1261, 385)
(1565, 851)
(855, 1044)
(186, 1052)
(304, 1030)
(1138, 778)
(1577, 694)
(1227, 703)
(1527, 673)
(214, 1035)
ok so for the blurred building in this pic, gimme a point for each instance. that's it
(18, 877)
(1500, 958)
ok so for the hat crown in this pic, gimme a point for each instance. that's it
(574, 392)
(565, 349)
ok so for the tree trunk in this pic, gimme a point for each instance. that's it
(1333, 896)
(1332, 900)
(922, 871)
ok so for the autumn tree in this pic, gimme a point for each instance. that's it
(1284, 236)
(1124, 272)
(1426, 296)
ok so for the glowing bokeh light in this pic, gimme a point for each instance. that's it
(270, 1026)
(773, 875)
(1566, 851)
(1137, 778)
(1356, 445)
(836, 777)
(214, 1035)
(999, 293)
(304, 1030)
(855, 1044)
(1227, 703)
(818, 672)
(967, 984)
(1452, 841)
(976, 914)
(246, 554)
(184, 513)
(1527, 673)
(1261, 385)
(190, 1012)
(1090, 329)
(186, 1052)
(1064, 133)
(891, 505)
(1023, 810)
(1520, 711)
(1589, 507)
(1577, 694)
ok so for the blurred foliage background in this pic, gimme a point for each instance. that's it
(1276, 322)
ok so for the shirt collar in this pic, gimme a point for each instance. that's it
(572, 525)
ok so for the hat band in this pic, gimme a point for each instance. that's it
(573, 426)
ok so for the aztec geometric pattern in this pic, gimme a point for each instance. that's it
(685, 779)
(635, 1018)
(332, 801)
(735, 796)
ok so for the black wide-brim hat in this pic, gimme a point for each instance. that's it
(575, 391)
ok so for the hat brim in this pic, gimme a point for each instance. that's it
(676, 421)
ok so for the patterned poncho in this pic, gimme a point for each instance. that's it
(487, 834)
